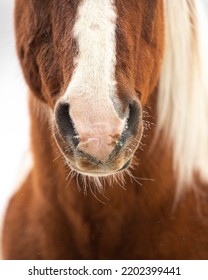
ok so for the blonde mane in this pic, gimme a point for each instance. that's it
(183, 90)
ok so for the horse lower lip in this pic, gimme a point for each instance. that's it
(97, 173)
(93, 174)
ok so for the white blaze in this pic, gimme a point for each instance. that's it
(93, 83)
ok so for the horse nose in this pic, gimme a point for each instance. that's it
(95, 133)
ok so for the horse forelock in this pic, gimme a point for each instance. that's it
(183, 91)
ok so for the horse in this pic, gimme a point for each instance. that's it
(118, 99)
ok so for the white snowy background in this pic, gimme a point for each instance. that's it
(14, 122)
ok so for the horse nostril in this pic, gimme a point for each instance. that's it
(132, 123)
(65, 124)
(135, 114)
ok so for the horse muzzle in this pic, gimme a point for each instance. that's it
(94, 143)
